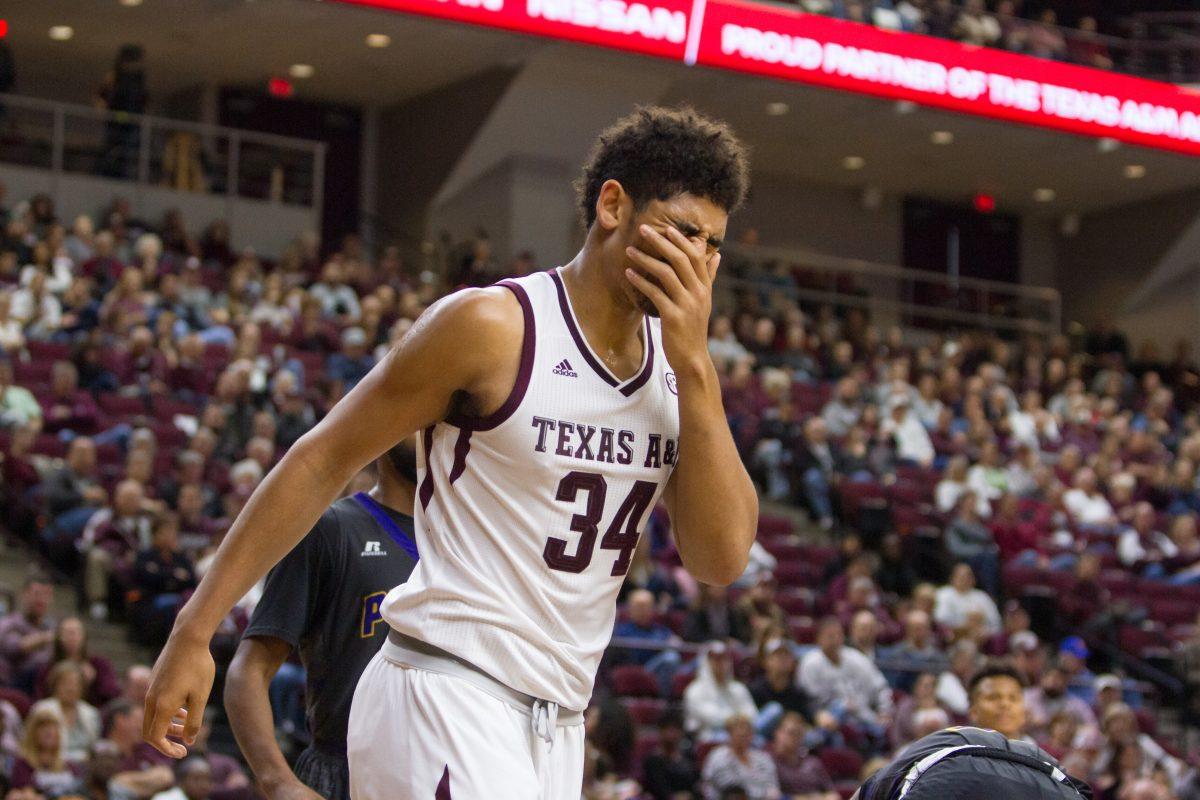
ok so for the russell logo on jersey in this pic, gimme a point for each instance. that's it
(564, 368)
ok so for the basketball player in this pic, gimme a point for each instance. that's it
(554, 410)
(323, 599)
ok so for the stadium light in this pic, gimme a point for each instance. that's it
(378, 40)
(777, 109)
(854, 162)
(130, 3)
(61, 33)
(1044, 195)
(941, 137)
(1135, 171)
(301, 71)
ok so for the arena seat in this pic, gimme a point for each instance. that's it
(841, 763)
(645, 710)
(633, 681)
(20, 701)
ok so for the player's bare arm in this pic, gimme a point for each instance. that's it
(711, 499)
(247, 687)
(462, 354)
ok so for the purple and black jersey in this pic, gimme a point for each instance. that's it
(324, 598)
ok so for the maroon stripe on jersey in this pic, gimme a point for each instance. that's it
(524, 372)
(443, 788)
(580, 344)
(427, 484)
(644, 375)
(461, 448)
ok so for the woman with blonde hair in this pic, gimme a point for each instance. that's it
(40, 764)
(80, 720)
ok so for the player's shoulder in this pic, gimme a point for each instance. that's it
(481, 313)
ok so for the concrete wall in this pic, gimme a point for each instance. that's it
(265, 226)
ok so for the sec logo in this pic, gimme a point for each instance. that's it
(671, 383)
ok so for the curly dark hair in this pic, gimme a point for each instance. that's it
(993, 669)
(656, 153)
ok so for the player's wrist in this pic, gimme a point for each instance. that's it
(273, 780)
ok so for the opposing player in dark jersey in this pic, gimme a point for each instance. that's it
(323, 599)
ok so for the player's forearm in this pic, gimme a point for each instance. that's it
(247, 690)
(716, 505)
(281, 511)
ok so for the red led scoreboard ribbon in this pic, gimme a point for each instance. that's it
(790, 45)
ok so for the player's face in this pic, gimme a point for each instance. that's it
(700, 220)
(1000, 705)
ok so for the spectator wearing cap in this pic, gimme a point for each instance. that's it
(845, 682)
(1109, 690)
(663, 659)
(81, 720)
(1072, 658)
(351, 365)
(738, 763)
(715, 696)
(801, 774)
(27, 634)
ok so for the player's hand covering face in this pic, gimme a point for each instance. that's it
(672, 264)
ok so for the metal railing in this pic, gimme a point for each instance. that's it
(913, 297)
(155, 151)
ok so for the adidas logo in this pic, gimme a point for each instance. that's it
(564, 368)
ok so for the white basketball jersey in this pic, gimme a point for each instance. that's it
(526, 520)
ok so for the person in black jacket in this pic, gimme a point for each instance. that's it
(713, 617)
(163, 575)
(815, 462)
(670, 773)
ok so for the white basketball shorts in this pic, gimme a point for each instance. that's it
(416, 734)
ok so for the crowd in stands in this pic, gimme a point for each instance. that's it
(1002, 532)
(1033, 29)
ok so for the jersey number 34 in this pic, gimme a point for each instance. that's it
(622, 533)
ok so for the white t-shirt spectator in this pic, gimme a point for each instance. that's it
(912, 440)
(1131, 549)
(948, 492)
(951, 693)
(855, 681)
(25, 308)
(953, 608)
(1088, 509)
(58, 280)
(727, 350)
(708, 705)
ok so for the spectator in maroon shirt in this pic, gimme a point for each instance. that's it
(142, 771)
(1085, 46)
(104, 268)
(67, 407)
(71, 644)
(26, 635)
(311, 331)
(111, 541)
(1087, 597)
(801, 775)
(1012, 533)
(189, 378)
(140, 366)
